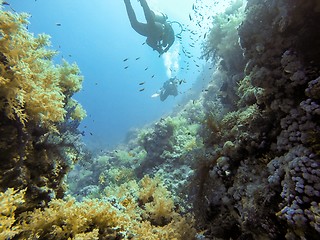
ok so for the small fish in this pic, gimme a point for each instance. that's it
(7, 4)
(142, 89)
(126, 67)
(137, 58)
(142, 83)
(204, 36)
(58, 24)
(126, 59)
(152, 76)
(190, 17)
(146, 68)
(143, 43)
(91, 133)
(197, 65)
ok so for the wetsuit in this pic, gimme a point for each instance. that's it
(169, 88)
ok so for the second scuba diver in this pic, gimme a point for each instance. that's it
(169, 88)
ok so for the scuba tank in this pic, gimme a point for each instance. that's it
(160, 17)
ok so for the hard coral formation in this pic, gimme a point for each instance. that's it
(263, 168)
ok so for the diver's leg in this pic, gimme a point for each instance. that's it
(149, 15)
(140, 28)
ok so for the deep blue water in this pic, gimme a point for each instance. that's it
(97, 35)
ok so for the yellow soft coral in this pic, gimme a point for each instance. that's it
(119, 217)
(9, 201)
(161, 208)
(64, 219)
(149, 186)
(78, 112)
(158, 203)
(96, 218)
(32, 87)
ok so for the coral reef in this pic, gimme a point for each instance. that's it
(9, 201)
(32, 88)
(141, 210)
(39, 119)
(247, 158)
(40, 143)
(240, 162)
(259, 178)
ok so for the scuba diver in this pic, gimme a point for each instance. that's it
(159, 33)
(169, 88)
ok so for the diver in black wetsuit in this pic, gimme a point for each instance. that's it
(159, 33)
(169, 88)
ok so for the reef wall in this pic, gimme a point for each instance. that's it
(262, 181)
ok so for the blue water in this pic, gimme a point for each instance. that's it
(97, 35)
